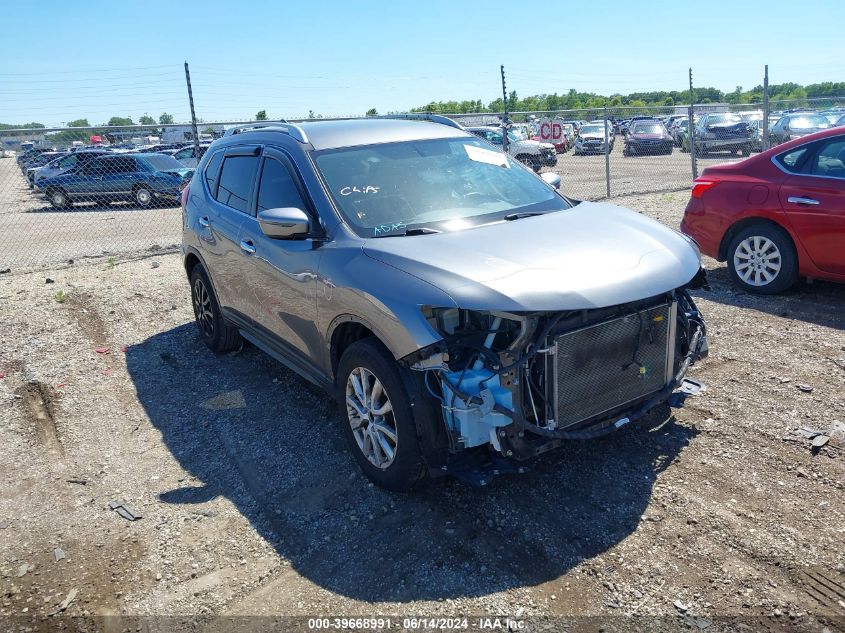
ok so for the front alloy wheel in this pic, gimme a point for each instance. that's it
(378, 419)
(370, 415)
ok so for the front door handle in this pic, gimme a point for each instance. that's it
(247, 246)
(204, 222)
(800, 200)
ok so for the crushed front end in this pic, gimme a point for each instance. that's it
(521, 384)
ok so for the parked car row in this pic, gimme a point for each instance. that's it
(104, 175)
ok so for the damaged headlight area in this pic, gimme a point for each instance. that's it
(522, 383)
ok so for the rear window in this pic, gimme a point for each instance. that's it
(212, 170)
(791, 160)
(163, 162)
(236, 178)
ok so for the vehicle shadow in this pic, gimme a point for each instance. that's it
(255, 433)
(819, 302)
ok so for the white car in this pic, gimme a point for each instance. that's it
(188, 157)
(532, 153)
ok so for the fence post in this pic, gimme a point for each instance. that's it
(766, 109)
(193, 114)
(505, 108)
(606, 154)
(692, 141)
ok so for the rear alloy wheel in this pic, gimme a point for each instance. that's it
(59, 199)
(143, 197)
(215, 332)
(378, 419)
(761, 260)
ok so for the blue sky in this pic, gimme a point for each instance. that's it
(64, 60)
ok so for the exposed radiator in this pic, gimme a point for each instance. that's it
(607, 365)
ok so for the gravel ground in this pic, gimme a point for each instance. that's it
(716, 516)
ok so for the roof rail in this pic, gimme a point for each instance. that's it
(291, 129)
(423, 116)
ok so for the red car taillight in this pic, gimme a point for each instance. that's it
(186, 188)
(700, 185)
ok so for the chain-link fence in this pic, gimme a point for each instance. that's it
(68, 193)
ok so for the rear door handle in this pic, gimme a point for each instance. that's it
(247, 246)
(204, 222)
(800, 200)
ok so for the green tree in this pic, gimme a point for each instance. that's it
(261, 115)
(311, 114)
(165, 119)
(146, 120)
(79, 123)
(372, 112)
(120, 120)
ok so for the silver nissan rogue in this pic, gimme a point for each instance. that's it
(464, 313)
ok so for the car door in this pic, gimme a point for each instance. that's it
(280, 285)
(120, 176)
(87, 180)
(230, 177)
(814, 200)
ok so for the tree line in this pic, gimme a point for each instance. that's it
(574, 100)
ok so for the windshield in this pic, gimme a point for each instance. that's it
(592, 129)
(443, 184)
(648, 128)
(163, 162)
(724, 119)
(809, 122)
(515, 136)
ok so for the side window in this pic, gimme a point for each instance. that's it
(125, 165)
(68, 162)
(830, 161)
(277, 187)
(236, 178)
(94, 167)
(791, 160)
(183, 153)
(212, 171)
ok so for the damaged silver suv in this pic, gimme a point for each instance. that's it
(465, 314)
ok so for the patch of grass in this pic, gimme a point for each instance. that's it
(110, 262)
(60, 296)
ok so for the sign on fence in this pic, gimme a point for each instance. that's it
(550, 131)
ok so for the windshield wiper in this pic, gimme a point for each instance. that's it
(419, 230)
(523, 214)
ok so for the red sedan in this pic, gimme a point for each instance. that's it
(776, 216)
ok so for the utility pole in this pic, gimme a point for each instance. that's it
(505, 118)
(766, 108)
(692, 128)
(193, 114)
(606, 154)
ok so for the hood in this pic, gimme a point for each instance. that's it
(528, 145)
(593, 255)
(593, 135)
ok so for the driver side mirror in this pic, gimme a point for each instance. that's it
(551, 178)
(284, 223)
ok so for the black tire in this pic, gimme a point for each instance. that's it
(407, 470)
(59, 199)
(787, 275)
(219, 335)
(143, 196)
(746, 150)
